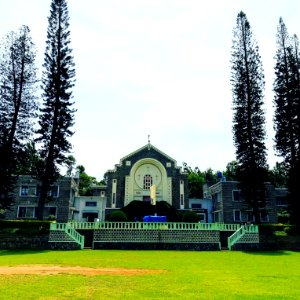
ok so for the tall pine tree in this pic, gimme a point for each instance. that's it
(57, 114)
(287, 112)
(18, 106)
(247, 82)
(284, 100)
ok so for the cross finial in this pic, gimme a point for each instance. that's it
(148, 138)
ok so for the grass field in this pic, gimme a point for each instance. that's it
(183, 275)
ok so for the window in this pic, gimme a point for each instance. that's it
(114, 199)
(49, 211)
(24, 190)
(54, 191)
(90, 203)
(29, 212)
(147, 182)
(236, 195)
(281, 201)
(202, 217)
(181, 200)
(102, 193)
(264, 217)
(219, 197)
(28, 191)
(250, 216)
(26, 212)
(196, 205)
(237, 216)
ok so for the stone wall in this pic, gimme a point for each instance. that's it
(156, 239)
(36, 242)
(18, 242)
(155, 246)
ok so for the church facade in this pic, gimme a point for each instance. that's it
(132, 178)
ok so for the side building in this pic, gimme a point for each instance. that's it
(61, 206)
(132, 178)
(229, 207)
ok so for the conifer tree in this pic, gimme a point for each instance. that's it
(287, 112)
(247, 82)
(57, 114)
(285, 88)
(17, 106)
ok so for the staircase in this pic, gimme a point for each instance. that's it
(64, 233)
(247, 234)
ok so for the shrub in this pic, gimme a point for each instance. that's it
(292, 230)
(117, 216)
(190, 217)
(267, 229)
(21, 226)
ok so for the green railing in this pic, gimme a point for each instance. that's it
(234, 238)
(70, 231)
(153, 226)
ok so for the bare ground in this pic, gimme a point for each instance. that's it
(55, 270)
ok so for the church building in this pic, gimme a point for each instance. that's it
(132, 178)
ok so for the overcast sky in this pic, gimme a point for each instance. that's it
(156, 67)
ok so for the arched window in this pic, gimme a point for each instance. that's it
(147, 181)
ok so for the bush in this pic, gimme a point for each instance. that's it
(267, 229)
(190, 217)
(21, 226)
(117, 216)
(292, 230)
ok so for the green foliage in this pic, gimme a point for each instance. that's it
(293, 230)
(278, 175)
(17, 106)
(190, 217)
(136, 210)
(85, 181)
(249, 133)
(196, 180)
(24, 227)
(195, 183)
(29, 160)
(117, 216)
(231, 171)
(275, 229)
(287, 112)
(70, 164)
(287, 94)
(57, 113)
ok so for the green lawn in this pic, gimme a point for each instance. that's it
(189, 275)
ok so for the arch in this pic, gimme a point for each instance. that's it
(134, 183)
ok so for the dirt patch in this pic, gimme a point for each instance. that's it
(55, 270)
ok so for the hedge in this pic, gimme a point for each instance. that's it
(21, 224)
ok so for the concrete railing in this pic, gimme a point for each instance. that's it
(152, 225)
(70, 231)
(234, 238)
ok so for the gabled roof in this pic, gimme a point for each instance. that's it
(149, 147)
